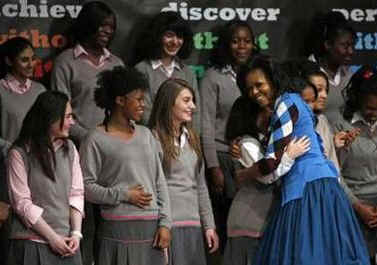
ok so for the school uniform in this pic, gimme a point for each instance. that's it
(16, 98)
(190, 206)
(359, 169)
(111, 166)
(34, 195)
(218, 91)
(156, 73)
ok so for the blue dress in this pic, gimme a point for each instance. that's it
(315, 224)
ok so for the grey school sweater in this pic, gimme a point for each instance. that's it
(52, 196)
(13, 109)
(112, 165)
(218, 92)
(157, 77)
(189, 199)
(78, 79)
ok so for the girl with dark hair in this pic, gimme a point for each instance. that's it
(45, 186)
(218, 91)
(123, 175)
(171, 120)
(358, 161)
(75, 70)
(331, 41)
(17, 93)
(168, 42)
(255, 201)
(314, 222)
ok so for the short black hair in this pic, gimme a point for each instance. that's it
(326, 27)
(162, 22)
(221, 54)
(89, 20)
(362, 83)
(11, 49)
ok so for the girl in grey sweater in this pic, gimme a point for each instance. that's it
(17, 93)
(183, 164)
(124, 176)
(168, 41)
(46, 187)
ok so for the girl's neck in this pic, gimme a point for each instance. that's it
(331, 68)
(92, 50)
(20, 79)
(167, 60)
(118, 123)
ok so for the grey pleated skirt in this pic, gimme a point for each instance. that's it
(187, 246)
(127, 243)
(241, 250)
(27, 252)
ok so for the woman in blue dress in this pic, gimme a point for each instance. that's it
(315, 223)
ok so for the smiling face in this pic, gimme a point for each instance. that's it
(183, 108)
(22, 66)
(133, 104)
(340, 51)
(241, 45)
(171, 44)
(59, 129)
(105, 33)
(259, 88)
(321, 84)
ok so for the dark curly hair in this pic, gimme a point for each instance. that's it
(309, 69)
(326, 27)
(90, 19)
(162, 22)
(11, 49)
(116, 82)
(221, 54)
(361, 84)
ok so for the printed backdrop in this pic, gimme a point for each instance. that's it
(279, 25)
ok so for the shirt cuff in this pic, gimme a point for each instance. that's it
(32, 214)
(77, 202)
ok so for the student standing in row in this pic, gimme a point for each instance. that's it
(75, 73)
(168, 42)
(171, 120)
(124, 176)
(218, 91)
(17, 93)
(46, 186)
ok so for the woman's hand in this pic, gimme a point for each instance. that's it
(212, 240)
(235, 148)
(346, 138)
(73, 242)
(217, 179)
(296, 148)
(367, 213)
(138, 197)
(162, 238)
(4, 212)
(60, 246)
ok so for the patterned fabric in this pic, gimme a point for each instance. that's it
(282, 123)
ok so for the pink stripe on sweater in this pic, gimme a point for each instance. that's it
(128, 217)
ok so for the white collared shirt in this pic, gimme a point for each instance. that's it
(167, 70)
(79, 51)
(182, 138)
(14, 85)
(228, 69)
(338, 75)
